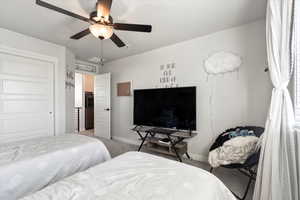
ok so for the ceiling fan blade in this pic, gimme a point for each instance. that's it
(103, 8)
(81, 34)
(117, 41)
(133, 27)
(62, 11)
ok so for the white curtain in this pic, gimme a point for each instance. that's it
(278, 170)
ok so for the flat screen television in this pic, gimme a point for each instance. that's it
(166, 108)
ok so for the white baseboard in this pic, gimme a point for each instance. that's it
(193, 156)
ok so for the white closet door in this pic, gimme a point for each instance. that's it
(102, 106)
(26, 98)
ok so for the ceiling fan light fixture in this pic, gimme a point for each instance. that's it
(100, 30)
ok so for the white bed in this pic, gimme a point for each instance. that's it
(137, 176)
(30, 165)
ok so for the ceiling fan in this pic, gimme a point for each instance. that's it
(101, 23)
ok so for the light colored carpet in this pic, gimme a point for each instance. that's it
(231, 178)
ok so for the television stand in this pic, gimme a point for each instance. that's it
(151, 138)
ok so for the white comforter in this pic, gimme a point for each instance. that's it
(30, 165)
(137, 176)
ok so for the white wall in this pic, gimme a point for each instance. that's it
(26, 43)
(237, 98)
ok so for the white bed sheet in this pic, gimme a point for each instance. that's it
(29, 165)
(137, 176)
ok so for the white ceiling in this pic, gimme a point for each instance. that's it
(172, 20)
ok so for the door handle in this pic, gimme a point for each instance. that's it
(107, 109)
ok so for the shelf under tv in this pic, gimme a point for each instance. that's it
(154, 144)
(151, 140)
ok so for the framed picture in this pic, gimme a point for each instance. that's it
(124, 89)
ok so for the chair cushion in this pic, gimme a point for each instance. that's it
(252, 159)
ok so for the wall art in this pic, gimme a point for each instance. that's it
(168, 76)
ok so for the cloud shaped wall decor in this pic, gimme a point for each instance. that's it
(222, 62)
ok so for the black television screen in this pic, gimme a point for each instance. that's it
(167, 108)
